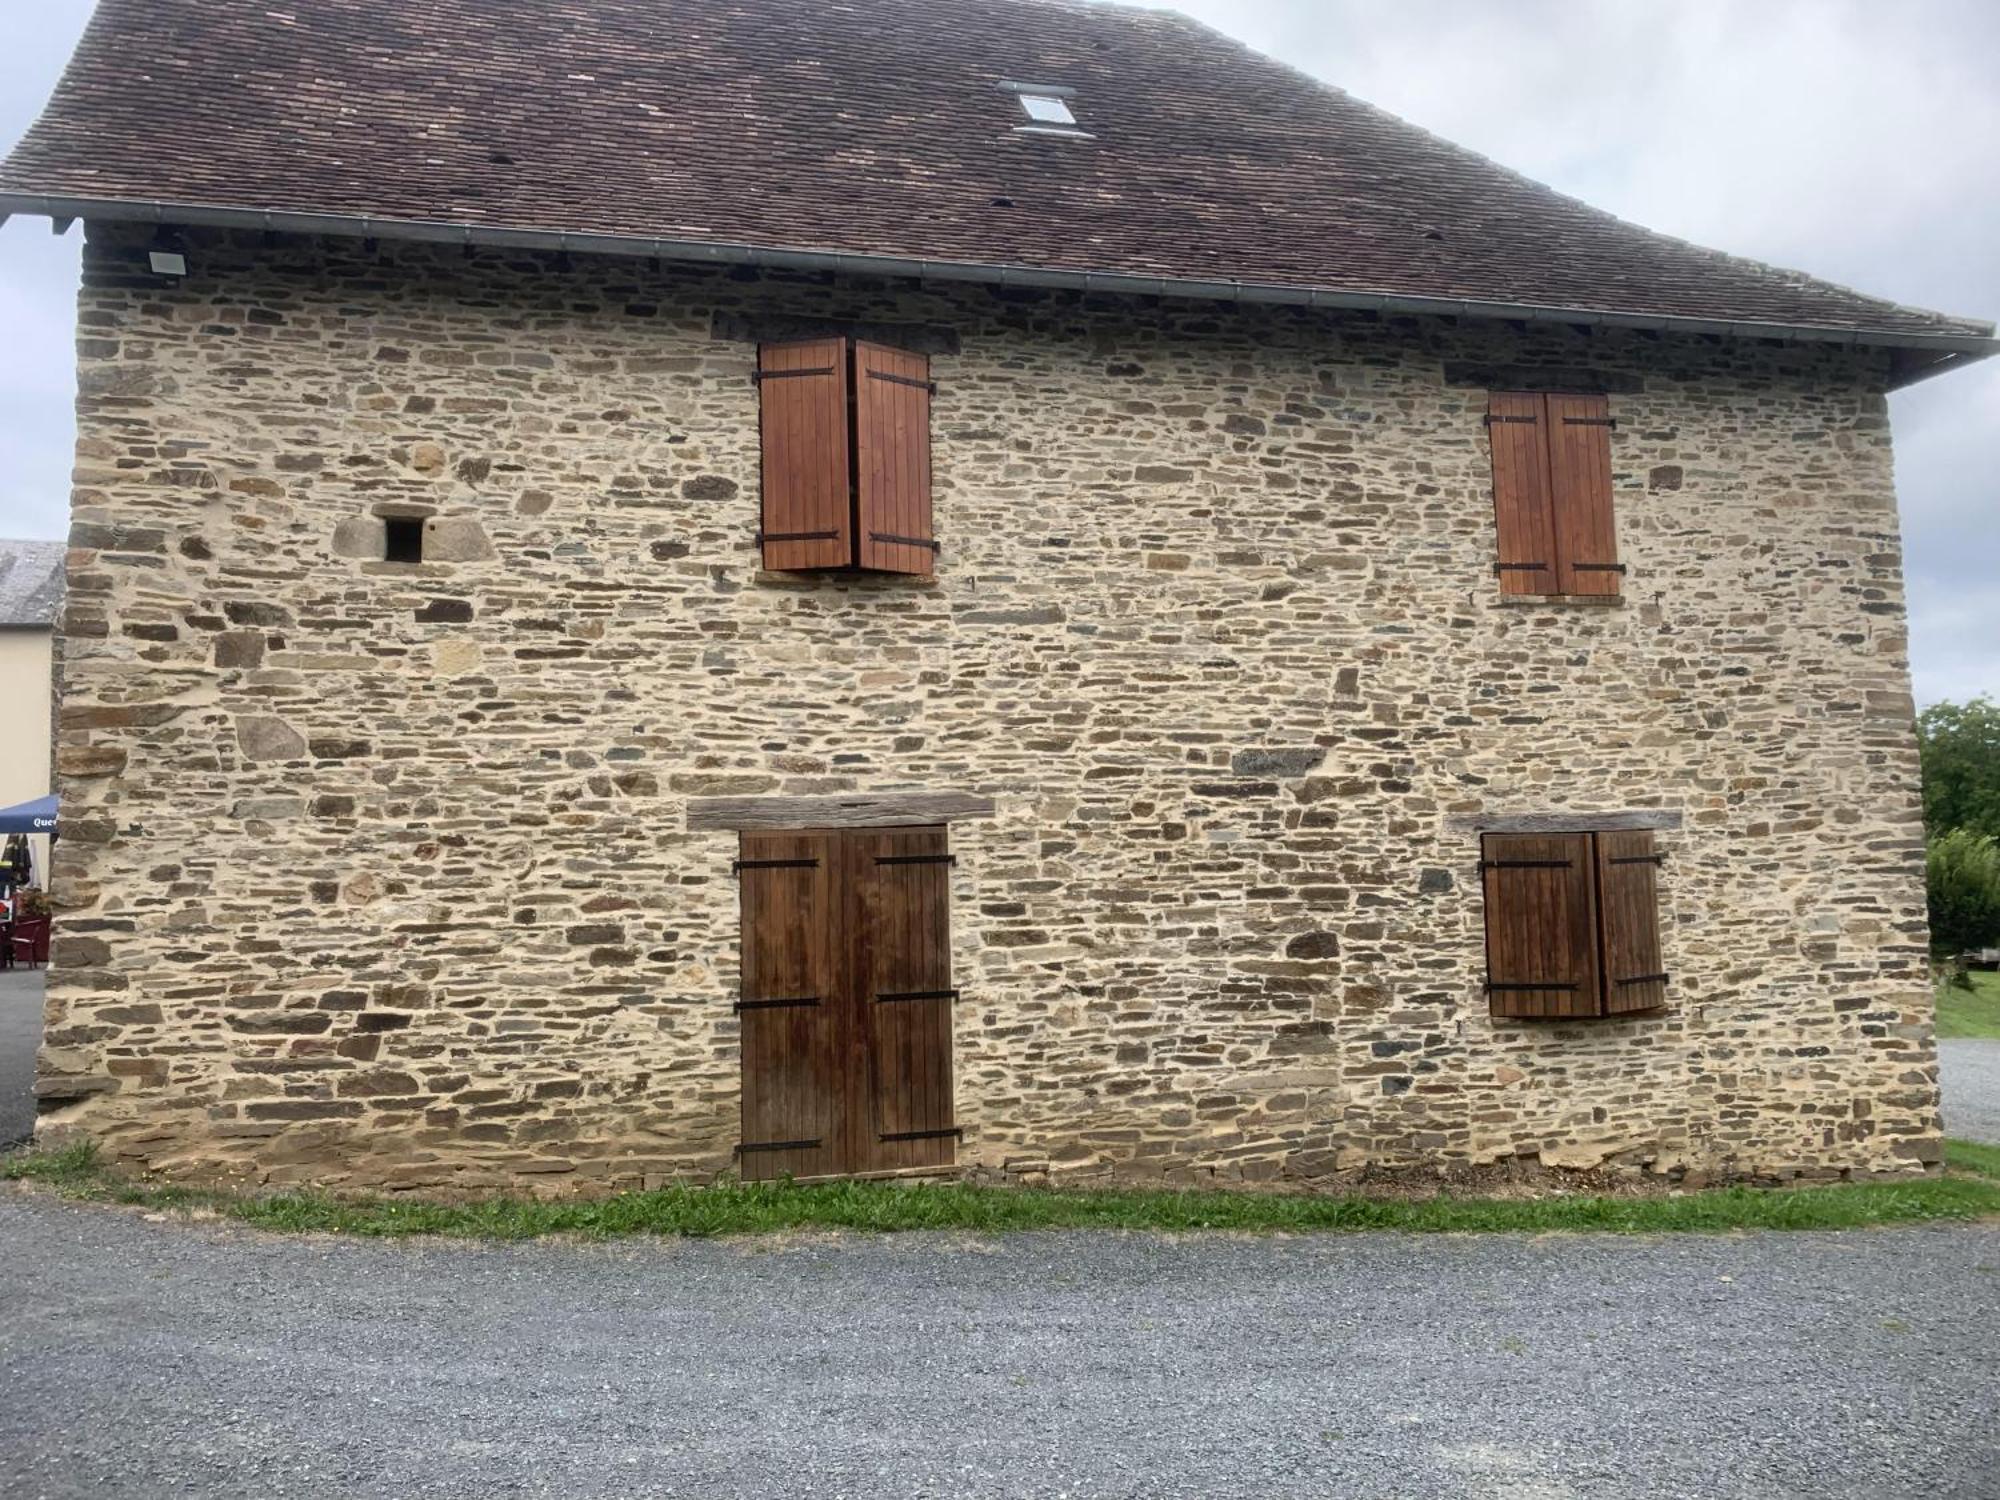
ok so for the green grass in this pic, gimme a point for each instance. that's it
(886, 1207)
(1973, 1012)
(1971, 1156)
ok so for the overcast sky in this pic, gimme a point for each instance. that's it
(1849, 138)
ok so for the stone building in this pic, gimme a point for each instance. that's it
(669, 590)
(31, 589)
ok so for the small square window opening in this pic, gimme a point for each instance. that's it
(1047, 109)
(403, 539)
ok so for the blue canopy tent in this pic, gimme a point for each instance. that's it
(38, 816)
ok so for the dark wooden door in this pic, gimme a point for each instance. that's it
(847, 1001)
(794, 1106)
(900, 892)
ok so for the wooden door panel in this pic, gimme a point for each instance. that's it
(794, 1122)
(902, 954)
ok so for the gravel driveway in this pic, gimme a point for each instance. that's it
(1969, 1074)
(20, 1035)
(151, 1358)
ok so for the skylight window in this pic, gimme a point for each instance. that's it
(1047, 109)
(1050, 108)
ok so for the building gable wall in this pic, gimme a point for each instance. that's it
(379, 876)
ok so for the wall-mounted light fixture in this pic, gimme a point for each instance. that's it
(168, 255)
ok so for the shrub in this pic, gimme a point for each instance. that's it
(1963, 871)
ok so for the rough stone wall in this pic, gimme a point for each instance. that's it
(378, 874)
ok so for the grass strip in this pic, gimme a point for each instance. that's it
(876, 1207)
(1971, 1156)
(1973, 1012)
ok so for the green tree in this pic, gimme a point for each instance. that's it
(1963, 870)
(1960, 746)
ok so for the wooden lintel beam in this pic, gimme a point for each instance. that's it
(1641, 820)
(848, 810)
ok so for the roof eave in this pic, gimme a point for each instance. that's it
(1955, 348)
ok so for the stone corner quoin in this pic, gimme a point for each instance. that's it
(381, 874)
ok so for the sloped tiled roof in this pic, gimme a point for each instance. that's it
(871, 127)
(31, 583)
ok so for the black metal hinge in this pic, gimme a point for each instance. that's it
(893, 997)
(921, 1135)
(922, 385)
(1527, 864)
(1590, 421)
(902, 541)
(737, 867)
(1497, 988)
(1639, 859)
(797, 536)
(779, 1145)
(799, 1002)
(1598, 567)
(1520, 567)
(1491, 418)
(763, 375)
(1644, 979)
(916, 859)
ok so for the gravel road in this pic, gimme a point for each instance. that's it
(1969, 1074)
(20, 1035)
(148, 1359)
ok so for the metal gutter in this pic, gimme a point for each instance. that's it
(703, 252)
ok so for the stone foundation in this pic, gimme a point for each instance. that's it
(378, 874)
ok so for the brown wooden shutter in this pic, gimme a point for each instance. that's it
(1541, 925)
(1629, 905)
(794, 1117)
(901, 900)
(892, 434)
(807, 480)
(1579, 438)
(1521, 510)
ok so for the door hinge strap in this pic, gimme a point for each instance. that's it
(1492, 417)
(892, 998)
(1493, 988)
(1590, 421)
(1520, 567)
(1639, 859)
(779, 1145)
(916, 859)
(1527, 864)
(922, 385)
(921, 1135)
(736, 867)
(764, 537)
(1644, 979)
(763, 375)
(800, 1001)
(1598, 567)
(903, 541)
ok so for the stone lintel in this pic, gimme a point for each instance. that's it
(1657, 818)
(849, 810)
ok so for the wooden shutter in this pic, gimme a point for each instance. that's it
(1629, 906)
(1521, 510)
(892, 434)
(1579, 438)
(901, 900)
(1541, 925)
(807, 483)
(794, 1118)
